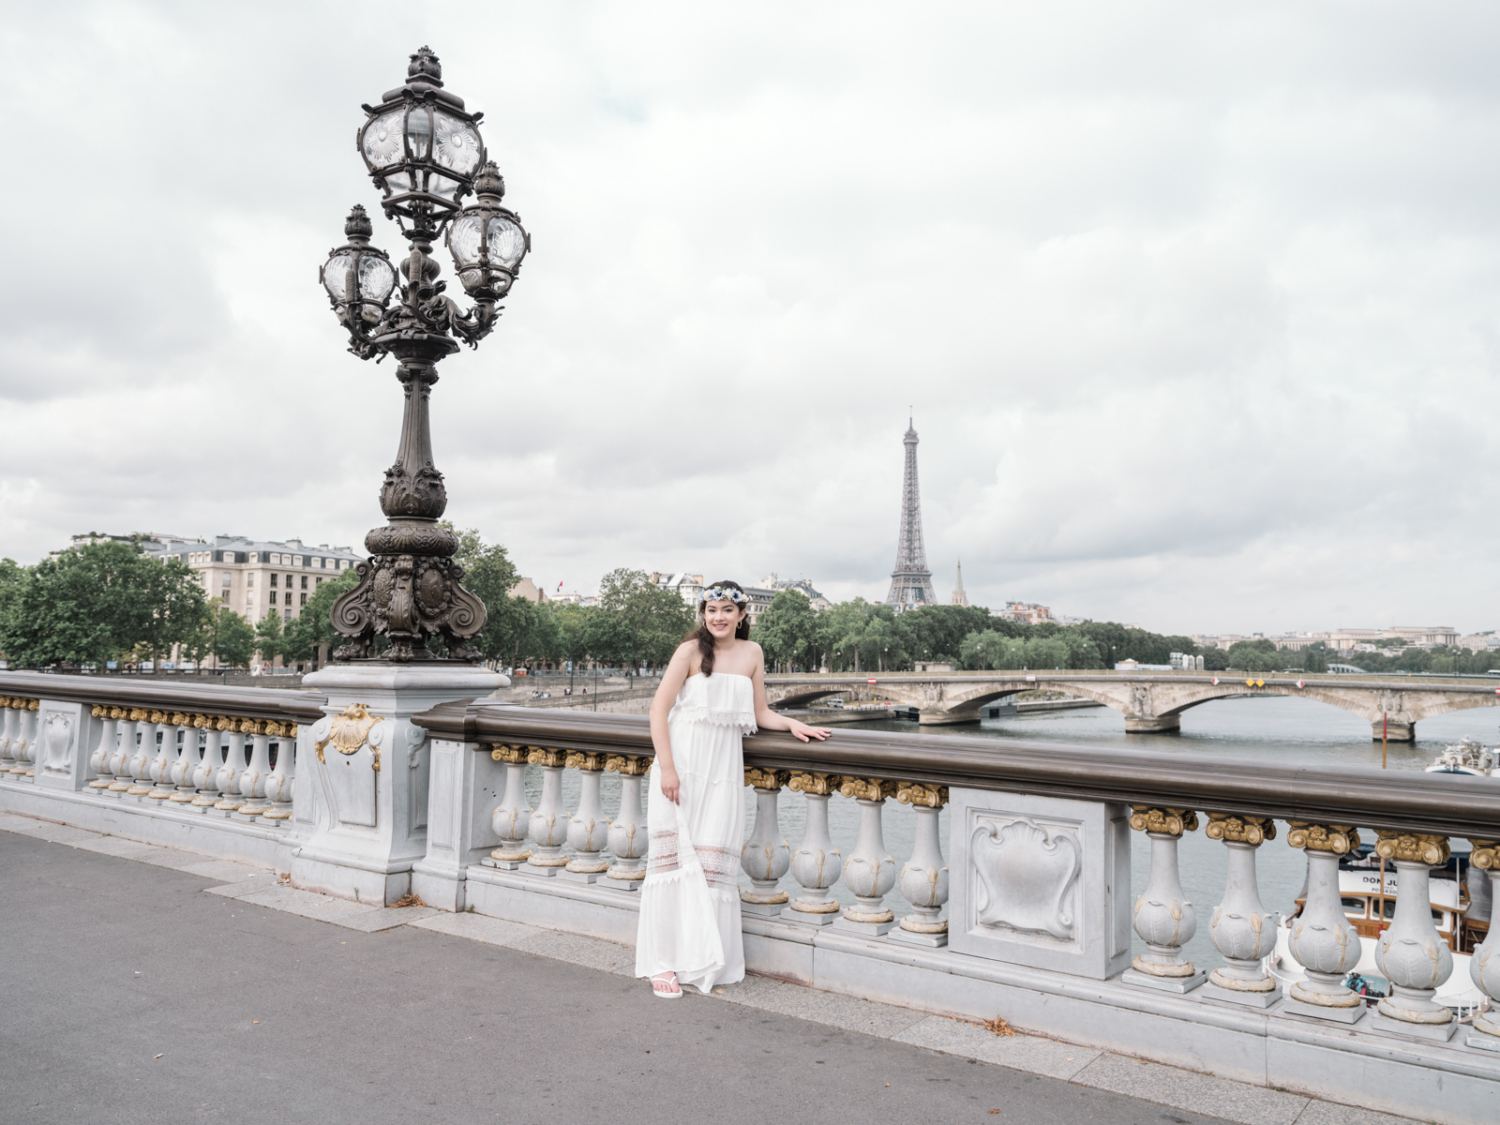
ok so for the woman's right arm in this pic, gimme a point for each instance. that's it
(666, 694)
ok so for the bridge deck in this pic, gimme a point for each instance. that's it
(131, 996)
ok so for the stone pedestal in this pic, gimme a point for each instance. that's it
(367, 775)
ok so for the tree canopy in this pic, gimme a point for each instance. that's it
(90, 604)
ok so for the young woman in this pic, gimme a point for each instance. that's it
(712, 693)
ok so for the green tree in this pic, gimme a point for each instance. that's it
(1259, 655)
(167, 606)
(515, 630)
(648, 622)
(313, 625)
(788, 631)
(572, 626)
(227, 637)
(270, 641)
(88, 604)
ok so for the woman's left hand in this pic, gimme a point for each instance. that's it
(802, 732)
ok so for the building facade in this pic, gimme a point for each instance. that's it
(1024, 613)
(256, 578)
(802, 586)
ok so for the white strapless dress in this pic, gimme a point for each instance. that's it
(690, 899)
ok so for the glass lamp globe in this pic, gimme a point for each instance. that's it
(487, 240)
(420, 146)
(358, 277)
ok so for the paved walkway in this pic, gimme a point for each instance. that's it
(127, 994)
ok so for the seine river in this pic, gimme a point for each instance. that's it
(1273, 729)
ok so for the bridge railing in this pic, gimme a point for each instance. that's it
(1035, 885)
(215, 763)
(1009, 891)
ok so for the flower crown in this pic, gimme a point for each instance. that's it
(722, 594)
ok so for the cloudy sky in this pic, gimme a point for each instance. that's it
(1197, 307)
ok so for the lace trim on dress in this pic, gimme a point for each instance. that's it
(721, 866)
(742, 719)
(661, 856)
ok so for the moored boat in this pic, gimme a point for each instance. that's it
(1466, 757)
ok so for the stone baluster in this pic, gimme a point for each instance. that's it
(7, 731)
(511, 819)
(23, 749)
(924, 877)
(588, 830)
(1484, 966)
(1411, 954)
(10, 740)
(816, 863)
(549, 823)
(628, 838)
(1321, 939)
(1242, 931)
(206, 776)
(253, 780)
(33, 738)
(279, 784)
(1164, 918)
(189, 757)
(869, 870)
(119, 761)
(233, 767)
(109, 725)
(166, 756)
(145, 754)
(766, 856)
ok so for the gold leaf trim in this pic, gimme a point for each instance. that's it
(1235, 828)
(766, 779)
(1165, 821)
(1412, 847)
(349, 731)
(1339, 839)
(917, 793)
(1486, 854)
(867, 788)
(815, 784)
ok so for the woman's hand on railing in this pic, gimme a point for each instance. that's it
(802, 732)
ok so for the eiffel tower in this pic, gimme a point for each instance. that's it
(911, 581)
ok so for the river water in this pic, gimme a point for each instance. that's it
(1273, 729)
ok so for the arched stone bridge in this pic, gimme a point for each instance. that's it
(1150, 701)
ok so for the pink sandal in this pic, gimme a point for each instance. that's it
(675, 992)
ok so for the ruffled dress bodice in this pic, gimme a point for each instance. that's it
(721, 700)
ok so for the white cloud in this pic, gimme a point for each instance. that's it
(1197, 310)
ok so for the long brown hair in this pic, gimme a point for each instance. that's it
(705, 639)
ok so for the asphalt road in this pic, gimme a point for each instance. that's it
(127, 995)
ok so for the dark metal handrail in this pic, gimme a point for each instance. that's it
(1370, 798)
(278, 704)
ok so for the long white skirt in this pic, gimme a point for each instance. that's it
(690, 899)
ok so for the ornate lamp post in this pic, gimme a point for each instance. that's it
(424, 152)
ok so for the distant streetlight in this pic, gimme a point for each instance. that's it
(424, 152)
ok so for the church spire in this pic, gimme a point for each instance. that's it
(959, 597)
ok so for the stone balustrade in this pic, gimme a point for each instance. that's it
(151, 759)
(1011, 892)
